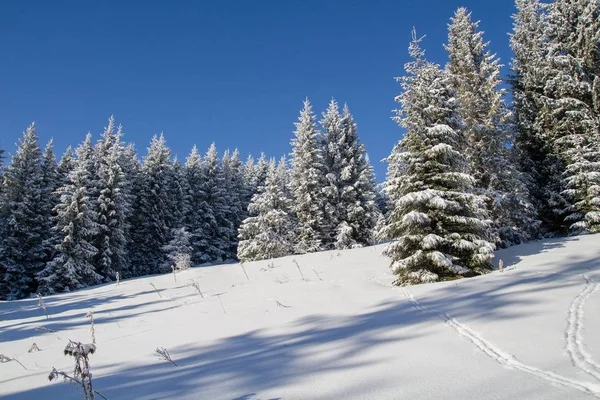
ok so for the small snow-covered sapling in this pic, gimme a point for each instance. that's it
(501, 266)
(196, 286)
(90, 315)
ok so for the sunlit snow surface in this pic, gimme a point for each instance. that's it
(334, 330)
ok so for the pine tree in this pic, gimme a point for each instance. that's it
(568, 113)
(438, 226)
(475, 77)
(65, 166)
(200, 216)
(113, 206)
(217, 229)
(178, 251)
(49, 198)
(23, 253)
(307, 182)
(234, 185)
(534, 148)
(151, 222)
(267, 233)
(73, 268)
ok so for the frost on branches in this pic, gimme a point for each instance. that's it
(438, 226)
(267, 233)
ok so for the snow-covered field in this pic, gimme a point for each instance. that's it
(334, 329)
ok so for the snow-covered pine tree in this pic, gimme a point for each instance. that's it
(217, 228)
(568, 113)
(65, 166)
(234, 184)
(200, 215)
(113, 206)
(533, 147)
(267, 233)
(23, 253)
(331, 143)
(475, 78)
(307, 182)
(180, 193)
(49, 198)
(151, 221)
(72, 267)
(178, 251)
(438, 225)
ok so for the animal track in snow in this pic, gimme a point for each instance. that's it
(500, 356)
(573, 334)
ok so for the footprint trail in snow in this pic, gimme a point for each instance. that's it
(500, 356)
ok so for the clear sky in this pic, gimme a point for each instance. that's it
(232, 72)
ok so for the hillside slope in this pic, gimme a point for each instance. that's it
(326, 326)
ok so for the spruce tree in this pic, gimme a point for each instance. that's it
(49, 198)
(151, 222)
(267, 233)
(217, 227)
(568, 114)
(438, 225)
(200, 216)
(534, 149)
(475, 78)
(73, 268)
(307, 182)
(113, 206)
(234, 184)
(23, 252)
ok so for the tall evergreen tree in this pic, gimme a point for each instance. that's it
(536, 154)
(200, 216)
(438, 226)
(267, 233)
(569, 108)
(475, 77)
(65, 166)
(22, 251)
(217, 229)
(152, 219)
(75, 228)
(49, 198)
(113, 206)
(307, 182)
(235, 189)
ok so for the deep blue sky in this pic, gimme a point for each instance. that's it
(232, 72)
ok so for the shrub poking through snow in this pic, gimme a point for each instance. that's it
(34, 347)
(163, 354)
(42, 305)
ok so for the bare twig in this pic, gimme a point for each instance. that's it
(244, 268)
(54, 374)
(196, 286)
(298, 265)
(220, 301)
(283, 279)
(90, 315)
(163, 354)
(281, 305)
(155, 289)
(316, 273)
(5, 359)
(42, 305)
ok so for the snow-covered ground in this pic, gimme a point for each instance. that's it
(326, 326)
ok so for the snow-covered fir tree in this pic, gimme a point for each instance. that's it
(49, 198)
(152, 218)
(217, 229)
(65, 166)
(200, 215)
(534, 150)
(268, 232)
(180, 194)
(22, 251)
(178, 249)
(307, 182)
(113, 206)
(568, 113)
(235, 189)
(438, 225)
(75, 228)
(475, 78)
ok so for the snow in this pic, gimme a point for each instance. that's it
(325, 326)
